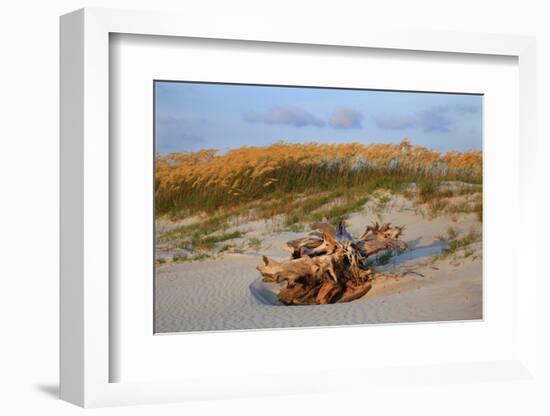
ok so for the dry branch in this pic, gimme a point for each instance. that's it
(329, 265)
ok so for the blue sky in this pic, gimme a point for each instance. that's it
(193, 116)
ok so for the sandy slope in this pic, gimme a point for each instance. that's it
(214, 294)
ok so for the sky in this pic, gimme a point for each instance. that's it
(193, 116)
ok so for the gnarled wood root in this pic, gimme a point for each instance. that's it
(329, 265)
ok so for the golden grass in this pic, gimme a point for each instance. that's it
(206, 181)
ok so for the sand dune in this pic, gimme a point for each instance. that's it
(215, 294)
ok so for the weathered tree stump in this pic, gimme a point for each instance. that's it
(329, 265)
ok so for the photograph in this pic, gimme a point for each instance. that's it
(283, 206)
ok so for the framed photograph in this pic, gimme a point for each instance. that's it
(247, 223)
(253, 211)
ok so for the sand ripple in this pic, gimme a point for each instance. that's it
(215, 295)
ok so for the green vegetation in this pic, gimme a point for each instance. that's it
(440, 199)
(215, 223)
(460, 243)
(298, 210)
(255, 243)
(452, 233)
(179, 258)
(207, 243)
(457, 245)
(478, 209)
(225, 247)
(296, 227)
(198, 257)
(386, 256)
(199, 241)
(427, 191)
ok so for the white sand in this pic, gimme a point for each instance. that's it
(214, 294)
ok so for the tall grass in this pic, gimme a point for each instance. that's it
(205, 181)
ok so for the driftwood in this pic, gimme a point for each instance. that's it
(329, 265)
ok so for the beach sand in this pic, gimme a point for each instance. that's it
(214, 294)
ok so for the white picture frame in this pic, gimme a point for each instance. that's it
(85, 165)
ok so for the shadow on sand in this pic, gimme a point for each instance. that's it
(417, 252)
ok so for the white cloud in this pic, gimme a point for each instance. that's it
(346, 118)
